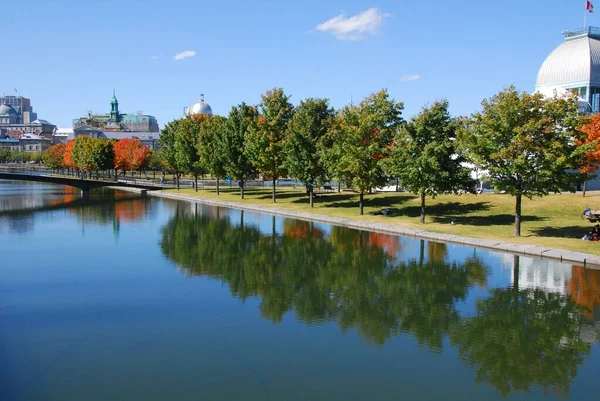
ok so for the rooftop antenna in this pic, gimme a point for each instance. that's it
(139, 112)
(89, 113)
(202, 97)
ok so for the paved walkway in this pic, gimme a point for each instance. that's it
(586, 259)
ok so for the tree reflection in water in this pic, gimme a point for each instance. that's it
(516, 339)
(520, 338)
(348, 276)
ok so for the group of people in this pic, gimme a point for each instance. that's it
(593, 235)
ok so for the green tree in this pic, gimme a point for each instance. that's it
(424, 156)
(235, 148)
(156, 162)
(168, 150)
(210, 147)
(364, 140)
(103, 154)
(187, 157)
(83, 153)
(309, 125)
(266, 137)
(526, 143)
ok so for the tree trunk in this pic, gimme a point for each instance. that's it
(177, 179)
(421, 252)
(217, 185)
(518, 216)
(339, 187)
(311, 194)
(196, 182)
(274, 180)
(422, 207)
(360, 202)
(584, 185)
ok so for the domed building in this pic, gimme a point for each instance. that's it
(115, 121)
(8, 115)
(199, 108)
(574, 66)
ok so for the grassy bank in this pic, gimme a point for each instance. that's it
(552, 221)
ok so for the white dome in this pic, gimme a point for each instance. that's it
(200, 108)
(575, 62)
(6, 110)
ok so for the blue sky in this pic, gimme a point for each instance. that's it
(68, 55)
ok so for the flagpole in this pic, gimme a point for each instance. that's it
(585, 15)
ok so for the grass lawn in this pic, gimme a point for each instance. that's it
(552, 221)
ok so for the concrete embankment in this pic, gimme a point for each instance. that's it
(586, 259)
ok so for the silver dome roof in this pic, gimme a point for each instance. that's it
(6, 110)
(201, 107)
(575, 61)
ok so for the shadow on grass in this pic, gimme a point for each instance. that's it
(491, 220)
(562, 232)
(448, 209)
(284, 195)
(459, 213)
(351, 201)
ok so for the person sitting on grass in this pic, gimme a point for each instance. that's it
(593, 235)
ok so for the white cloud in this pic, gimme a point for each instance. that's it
(184, 54)
(413, 77)
(356, 27)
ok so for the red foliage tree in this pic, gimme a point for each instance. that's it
(131, 154)
(592, 137)
(53, 157)
(68, 154)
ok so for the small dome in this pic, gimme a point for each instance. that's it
(576, 62)
(6, 110)
(200, 108)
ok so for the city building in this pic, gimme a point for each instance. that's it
(10, 144)
(115, 121)
(22, 107)
(34, 143)
(574, 66)
(151, 141)
(16, 123)
(63, 135)
(201, 107)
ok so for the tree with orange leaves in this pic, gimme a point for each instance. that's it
(131, 154)
(53, 157)
(591, 138)
(68, 154)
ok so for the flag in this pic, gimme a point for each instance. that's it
(15, 89)
(590, 7)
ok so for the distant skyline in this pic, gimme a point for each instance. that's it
(67, 55)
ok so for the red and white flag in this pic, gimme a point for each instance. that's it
(590, 7)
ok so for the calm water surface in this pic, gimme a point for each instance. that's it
(122, 298)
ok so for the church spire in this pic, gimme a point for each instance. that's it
(114, 108)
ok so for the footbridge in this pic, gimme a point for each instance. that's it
(84, 184)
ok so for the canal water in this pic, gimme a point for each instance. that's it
(119, 297)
